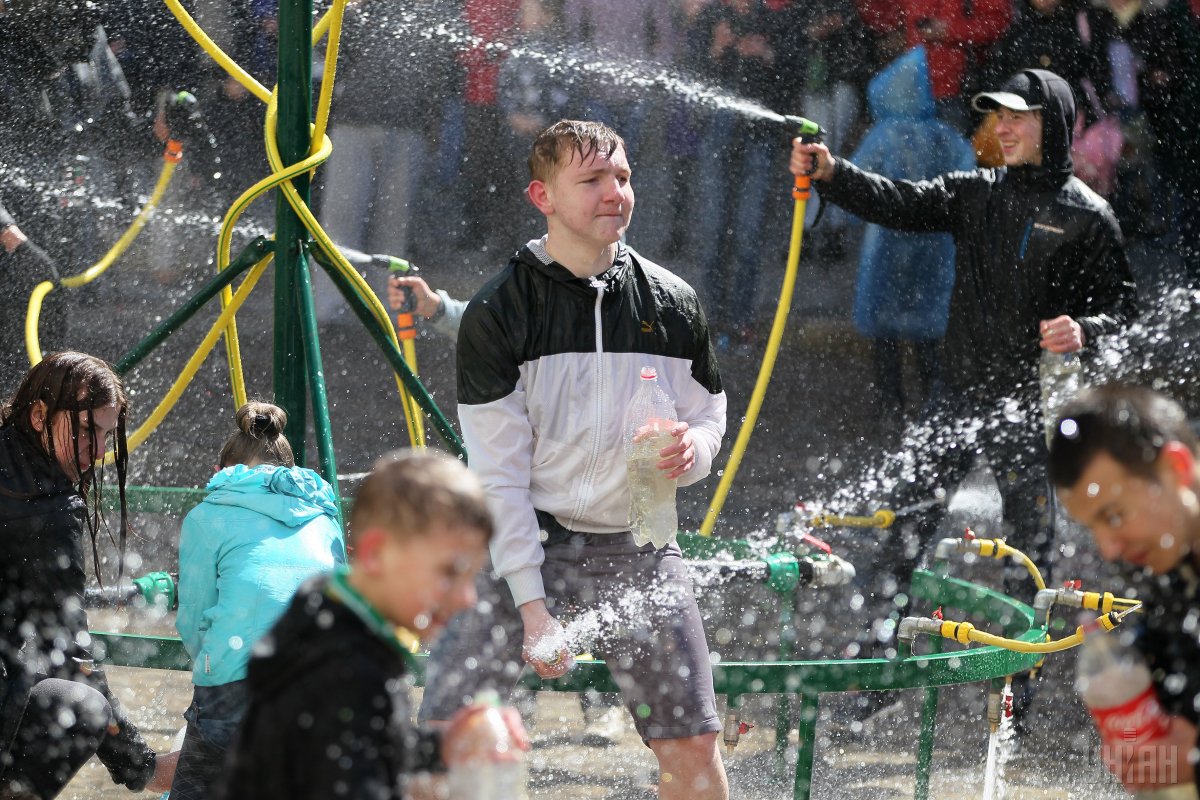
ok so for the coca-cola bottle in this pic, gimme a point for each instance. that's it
(1116, 686)
(648, 423)
(484, 761)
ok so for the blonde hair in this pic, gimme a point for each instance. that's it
(408, 491)
(259, 437)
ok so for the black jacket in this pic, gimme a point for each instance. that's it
(43, 627)
(1031, 243)
(1168, 637)
(329, 713)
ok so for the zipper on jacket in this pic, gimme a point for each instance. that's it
(207, 664)
(589, 473)
(1025, 239)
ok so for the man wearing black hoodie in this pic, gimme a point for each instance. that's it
(1040, 265)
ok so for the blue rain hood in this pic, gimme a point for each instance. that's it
(905, 279)
(289, 495)
(902, 89)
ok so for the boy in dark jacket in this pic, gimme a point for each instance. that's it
(1126, 464)
(1039, 266)
(328, 715)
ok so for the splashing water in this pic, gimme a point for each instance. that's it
(575, 64)
(584, 629)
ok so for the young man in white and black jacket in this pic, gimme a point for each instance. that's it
(549, 355)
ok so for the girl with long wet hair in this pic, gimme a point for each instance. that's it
(56, 710)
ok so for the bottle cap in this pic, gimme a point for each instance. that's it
(649, 374)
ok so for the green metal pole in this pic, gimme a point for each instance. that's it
(253, 253)
(295, 116)
(925, 745)
(316, 375)
(807, 730)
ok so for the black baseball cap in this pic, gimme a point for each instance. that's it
(1019, 93)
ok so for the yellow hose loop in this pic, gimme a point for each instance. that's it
(416, 434)
(218, 55)
(197, 359)
(1032, 569)
(131, 233)
(33, 314)
(222, 58)
(331, 54)
(33, 347)
(774, 341)
(224, 247)
(998, 548)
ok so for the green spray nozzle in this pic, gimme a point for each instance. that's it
(392, 264)
(809, 131)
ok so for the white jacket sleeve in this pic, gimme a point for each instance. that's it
(499, 439)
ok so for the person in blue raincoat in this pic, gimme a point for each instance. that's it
(904, 279)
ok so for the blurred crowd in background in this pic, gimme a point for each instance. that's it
(437, 100)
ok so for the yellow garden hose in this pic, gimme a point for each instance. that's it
(33, 314)
(216, 53)
(330, 22)
(965, 632)
(415, 422)
(800, 193)
(197, 359)
(224, 246)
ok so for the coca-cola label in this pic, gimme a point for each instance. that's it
(1135, 721)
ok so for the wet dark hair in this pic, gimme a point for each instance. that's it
(566, 136)
(408, 491)
(73, 382)
(259, 437)
(1129, 423)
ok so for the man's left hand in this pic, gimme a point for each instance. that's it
(1061, 335)
(680, 456)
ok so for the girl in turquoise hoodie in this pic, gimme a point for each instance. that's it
(265, 526)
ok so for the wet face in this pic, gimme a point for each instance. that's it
(590, 200)
(1147, 522)
(425, 580)
(1020, 135)
(93, 436)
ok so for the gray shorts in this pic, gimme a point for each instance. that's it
(635, 603)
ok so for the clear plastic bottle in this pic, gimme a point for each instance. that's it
(1116, 686)
(485, 763)
(648, 423)
(1061, 377)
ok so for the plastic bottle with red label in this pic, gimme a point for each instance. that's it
(1117, 688)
